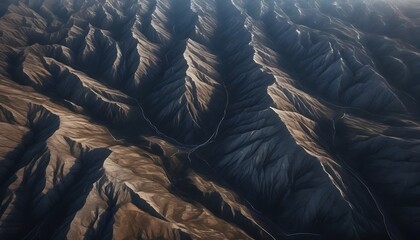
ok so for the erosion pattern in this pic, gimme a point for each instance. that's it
(209, 119)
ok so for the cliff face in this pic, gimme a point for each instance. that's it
(209, 119)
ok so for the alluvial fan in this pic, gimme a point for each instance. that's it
(209, 119)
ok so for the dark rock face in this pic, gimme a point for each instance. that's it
(209, 119)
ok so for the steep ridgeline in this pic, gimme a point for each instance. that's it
(209, 119)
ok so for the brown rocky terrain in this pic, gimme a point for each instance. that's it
(209, 119)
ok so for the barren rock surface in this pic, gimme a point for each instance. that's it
(209, 119)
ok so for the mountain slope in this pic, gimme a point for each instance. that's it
(209, 119)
